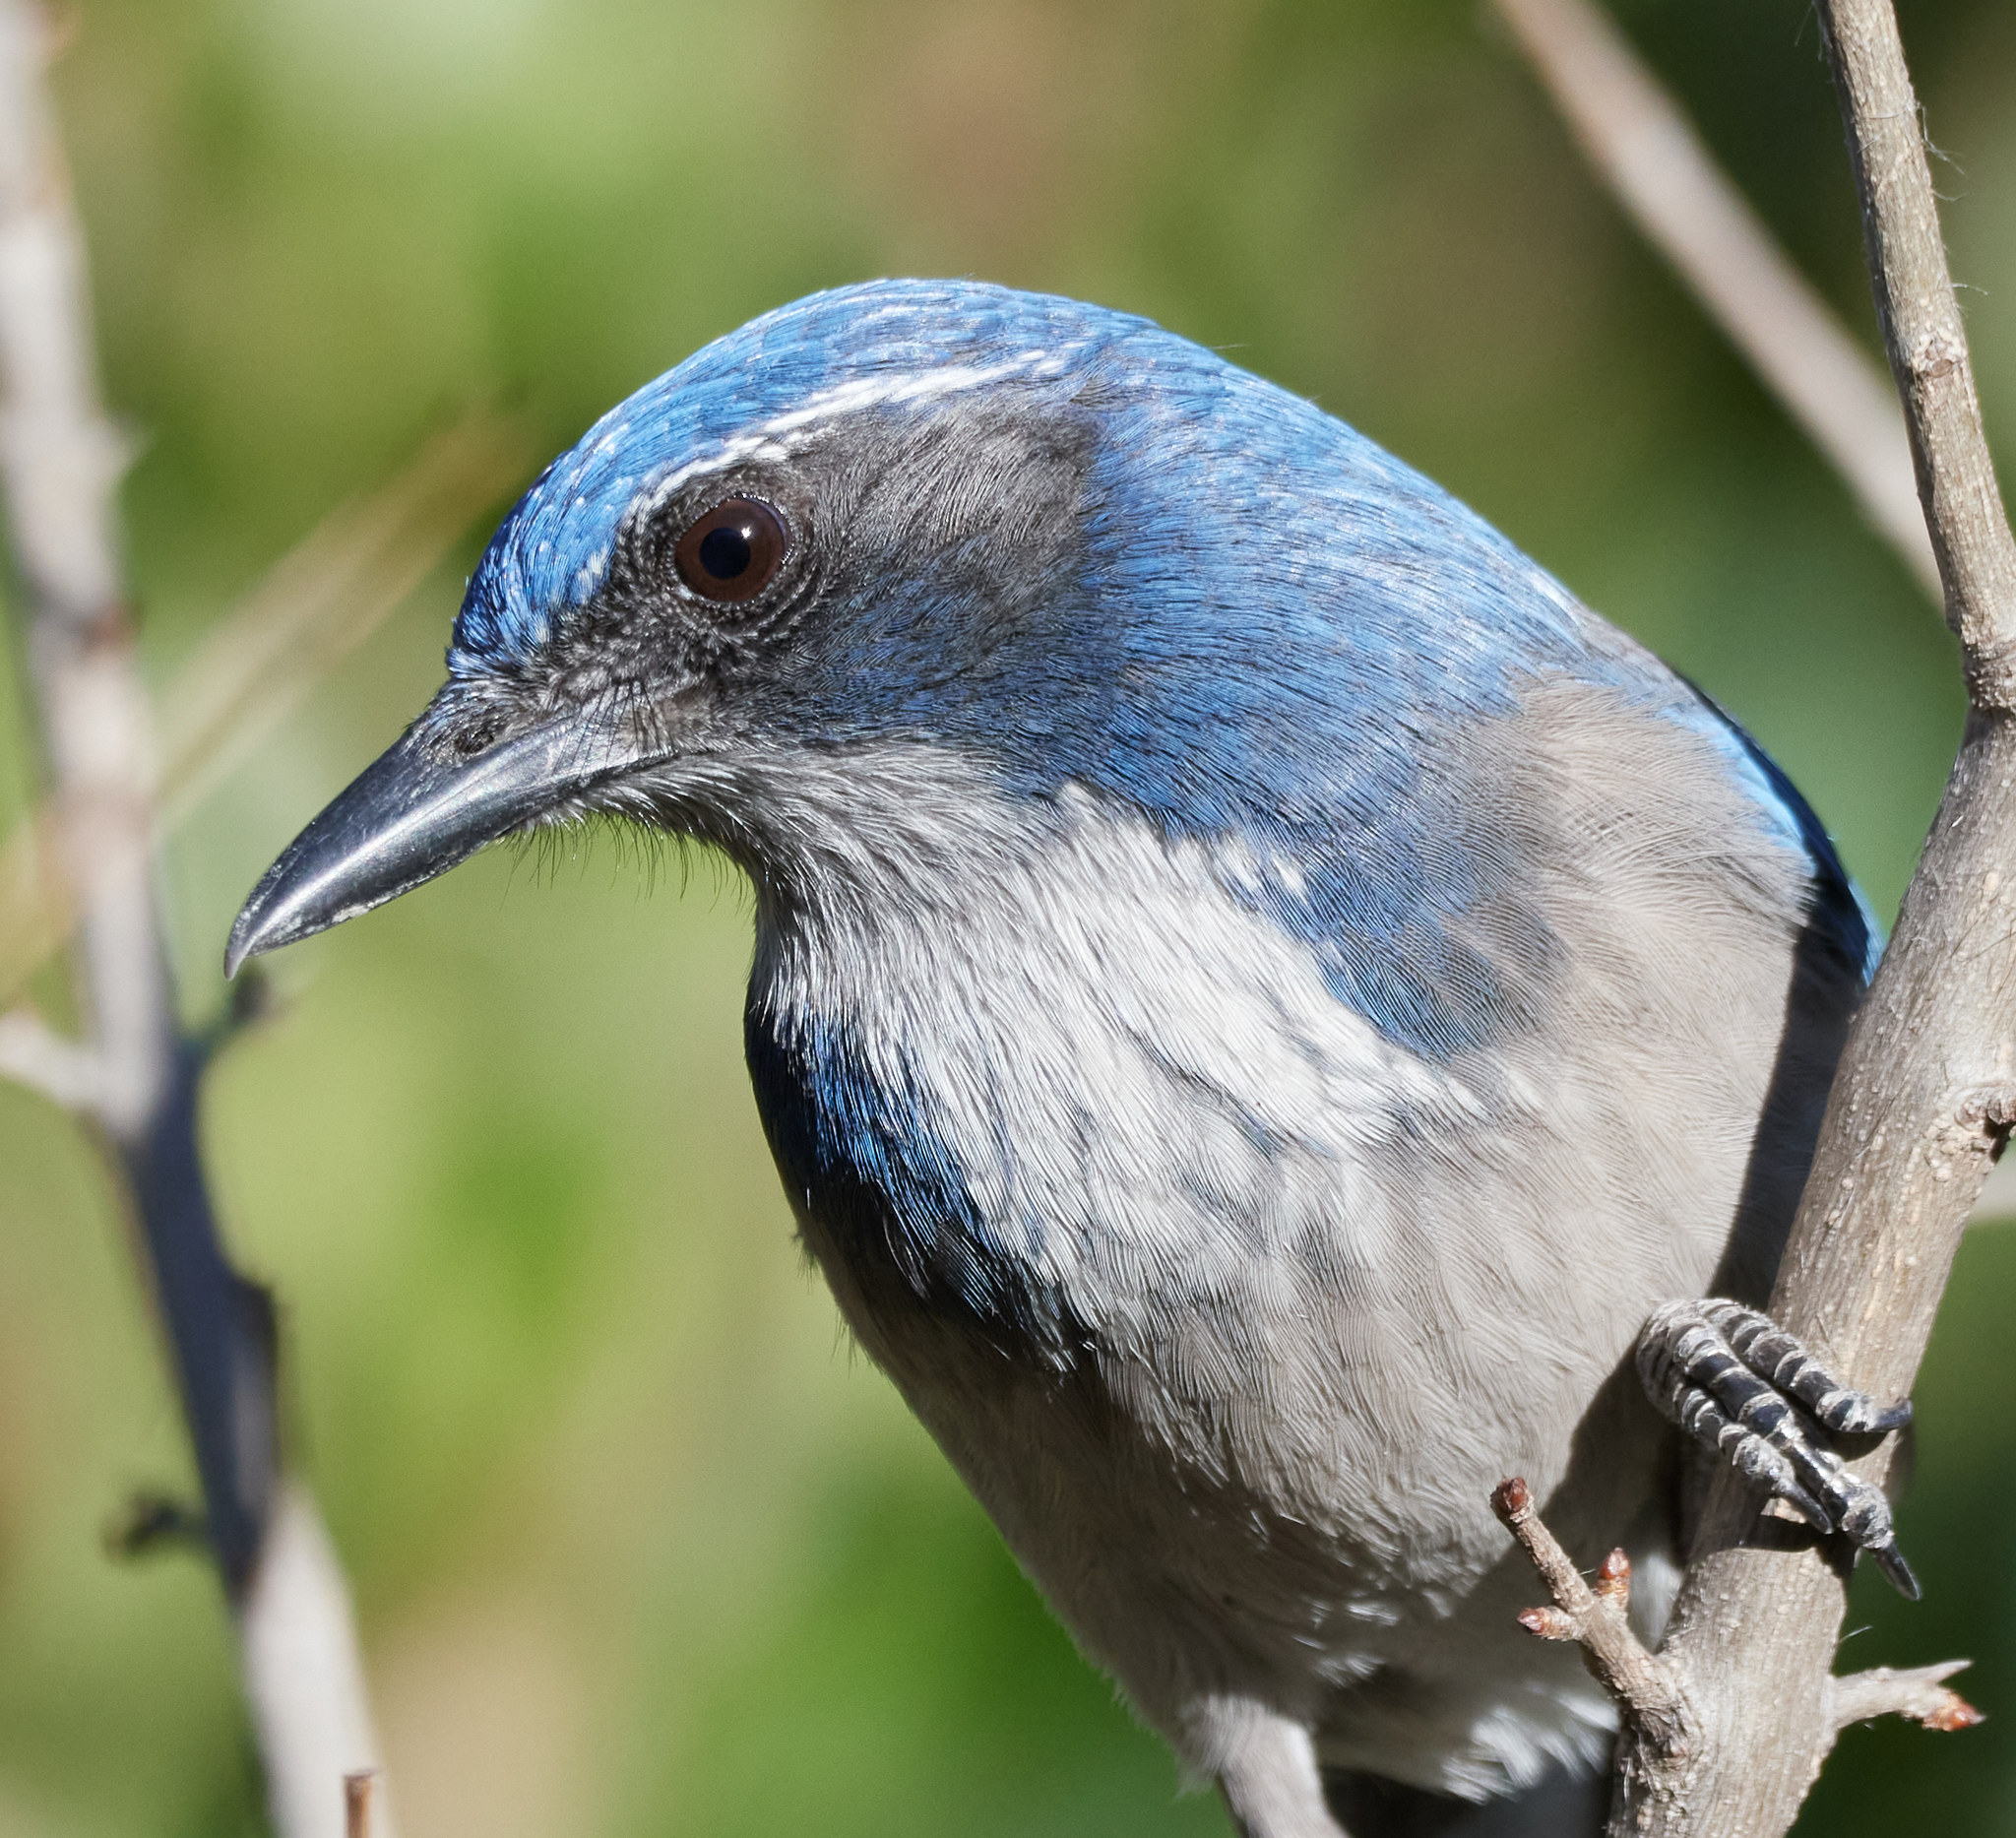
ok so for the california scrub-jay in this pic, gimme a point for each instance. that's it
(1258, 994)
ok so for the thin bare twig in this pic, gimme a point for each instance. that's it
(356, 1800)
(60, 463)
(1649, 155)
(1920, 1693)
(1649, 1698)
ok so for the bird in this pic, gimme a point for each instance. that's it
(1271, 1016)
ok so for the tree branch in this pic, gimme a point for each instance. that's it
(136, 1074)
(1923, 1097)
(1927, 344)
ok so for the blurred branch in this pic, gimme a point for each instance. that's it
(324, 597)
(38, 910)
(1924, 1097)
(136, 1074)
(314, 607)
(305, 1678)
(34, 1054)
(1647, 151)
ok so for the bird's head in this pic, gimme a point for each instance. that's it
(1040, 543)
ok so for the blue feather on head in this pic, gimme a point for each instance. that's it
(1265, 625)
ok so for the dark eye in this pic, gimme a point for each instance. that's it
(733, 551)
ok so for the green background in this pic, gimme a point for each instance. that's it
(640, 1546)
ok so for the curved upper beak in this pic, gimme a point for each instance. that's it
(410, 817)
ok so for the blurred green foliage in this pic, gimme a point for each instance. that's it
(639, 1546)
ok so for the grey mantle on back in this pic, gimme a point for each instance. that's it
(1258, 994)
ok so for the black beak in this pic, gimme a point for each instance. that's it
(411, 817)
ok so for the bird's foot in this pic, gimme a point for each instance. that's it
(1738, 1383)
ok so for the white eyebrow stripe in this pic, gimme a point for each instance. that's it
(730, 453)
(772, 439)
(912, 386)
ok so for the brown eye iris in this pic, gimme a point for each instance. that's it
(733, 551)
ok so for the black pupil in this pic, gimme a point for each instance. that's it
(724, 552)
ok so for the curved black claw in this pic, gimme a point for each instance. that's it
(1738, 1383)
